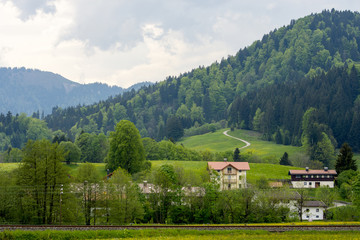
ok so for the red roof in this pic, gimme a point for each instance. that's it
(221, 165)
(312, 172)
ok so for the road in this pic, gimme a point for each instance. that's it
(242, 140)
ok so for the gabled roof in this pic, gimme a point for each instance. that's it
(221, 165)
(312, 172)
(314, 204)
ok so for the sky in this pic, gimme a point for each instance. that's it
(122, 42)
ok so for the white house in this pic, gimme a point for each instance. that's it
(313, 210)
(230, 175)
(312, 178)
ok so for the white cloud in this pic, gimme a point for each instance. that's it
(123, 42)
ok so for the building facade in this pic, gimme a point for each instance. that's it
(229, 175)
(312, 178)
(313, 210)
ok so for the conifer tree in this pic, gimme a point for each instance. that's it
(345, 159)
(284, 160)
(236, 155)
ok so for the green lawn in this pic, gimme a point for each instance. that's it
(218, 142)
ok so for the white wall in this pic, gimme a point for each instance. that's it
(313, 213)
(300, 184)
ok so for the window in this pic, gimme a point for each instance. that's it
(239, 185)
(317, 210)
(298, 176)
(239, 170)
(312, 176)
(310, 183)
(307, 216)
(229, 170)
(229, 186)
(239, 177)
(218, 170)
(307, 210)
(305, 183)
(229, 177)
(317, 216)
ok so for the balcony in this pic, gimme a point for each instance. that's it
(229, 180)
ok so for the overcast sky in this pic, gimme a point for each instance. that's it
(124, 42)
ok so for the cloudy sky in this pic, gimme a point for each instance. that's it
(122, 42)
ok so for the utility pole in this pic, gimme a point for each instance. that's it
(61, 193)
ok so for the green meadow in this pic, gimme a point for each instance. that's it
(257, 170)
(178, 234)
(218, 142)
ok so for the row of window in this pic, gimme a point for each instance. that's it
(312, 176)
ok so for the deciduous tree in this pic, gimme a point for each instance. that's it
(126, 148)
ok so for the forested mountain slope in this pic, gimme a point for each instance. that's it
(293, 59)
(28, 91)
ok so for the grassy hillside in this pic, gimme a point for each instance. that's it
(218, 142)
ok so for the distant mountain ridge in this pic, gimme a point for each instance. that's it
(26, 91)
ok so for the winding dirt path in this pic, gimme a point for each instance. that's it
(246, 142)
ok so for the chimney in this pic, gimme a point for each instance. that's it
(225, 159)
(145, 183)
(307, 169)
(326, 169)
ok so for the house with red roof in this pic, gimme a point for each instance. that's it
(312, 178)
(230, 175)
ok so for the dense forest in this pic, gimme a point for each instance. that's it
(298, 55)
(307, 68)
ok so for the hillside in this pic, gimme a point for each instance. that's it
(305, 49)
(28, 91)
(307, 70)
(217, 141)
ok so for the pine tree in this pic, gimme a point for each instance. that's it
(284, 160)
(345, 159)
(237, 155)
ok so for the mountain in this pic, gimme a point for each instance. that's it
(301, 80)
(28, 91)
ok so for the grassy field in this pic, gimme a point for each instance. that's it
(257, 170)
(218, 142)
(8, 167)
(178, 234)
